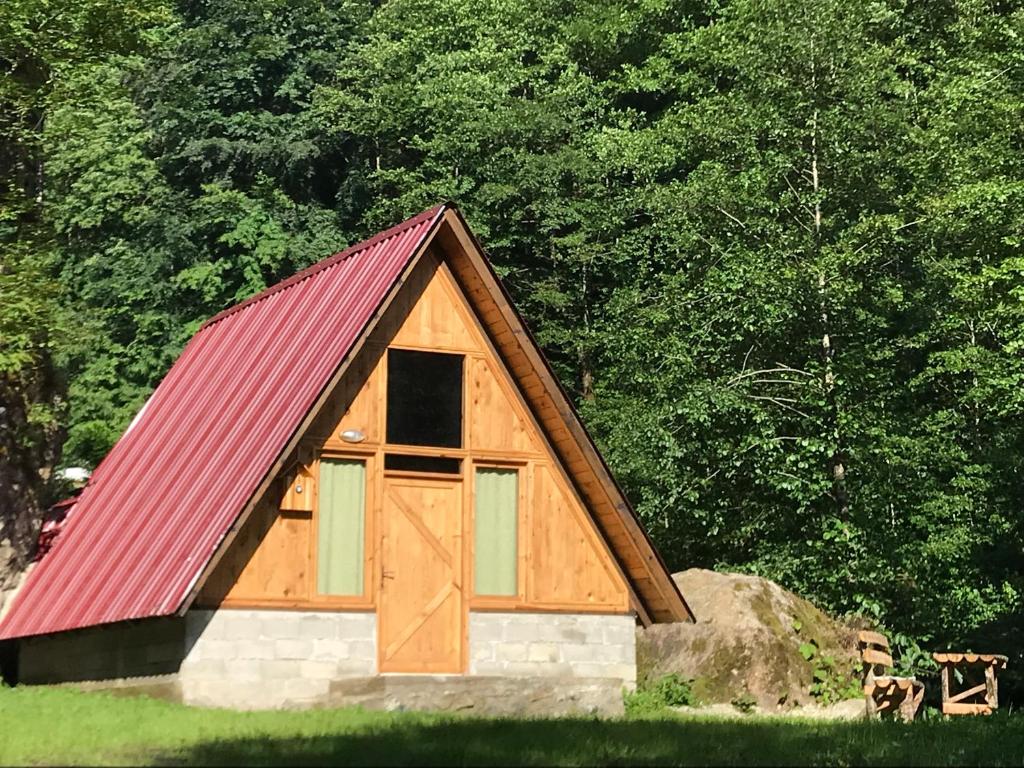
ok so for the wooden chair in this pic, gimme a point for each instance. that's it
(885, 692)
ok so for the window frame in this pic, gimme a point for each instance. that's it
(440, 450)
(475, 600)
(367, 600)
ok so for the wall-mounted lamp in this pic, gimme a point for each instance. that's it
(353, 436)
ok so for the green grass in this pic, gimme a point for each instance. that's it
(39, 727)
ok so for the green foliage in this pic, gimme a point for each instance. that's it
(830, 682)
(42, 44)
(654, 696)
(910, 659)
(185, 181)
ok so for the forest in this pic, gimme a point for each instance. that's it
(773, 249)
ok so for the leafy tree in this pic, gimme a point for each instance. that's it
(496, 107)
(968, 393)
(40, 44)
(30, 404)
(809, 378)
(187, 180)
(763, 179)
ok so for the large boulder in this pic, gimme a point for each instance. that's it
(753, 642)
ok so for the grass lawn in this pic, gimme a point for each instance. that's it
(39, 727)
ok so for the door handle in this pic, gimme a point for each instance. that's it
(385, 574)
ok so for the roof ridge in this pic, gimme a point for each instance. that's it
(323, 264)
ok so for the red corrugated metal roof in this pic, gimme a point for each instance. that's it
(161, 501)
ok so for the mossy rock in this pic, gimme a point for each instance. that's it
(746, 641)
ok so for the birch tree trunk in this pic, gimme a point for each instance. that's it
(837, 467)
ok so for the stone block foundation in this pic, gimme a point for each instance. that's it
(573, 645)
(243, 659)
(258, 659)
(529, 663)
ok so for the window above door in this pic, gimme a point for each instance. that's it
(424, 399)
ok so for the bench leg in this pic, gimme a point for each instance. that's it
(872, 708)
(991, 687)
(945, 689)
(908, 708)
(916, 696)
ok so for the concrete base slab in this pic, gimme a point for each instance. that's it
(485, 696)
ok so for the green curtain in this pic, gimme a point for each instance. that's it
(496, 531)
(341, 527)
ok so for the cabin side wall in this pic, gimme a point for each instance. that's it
(151, 649)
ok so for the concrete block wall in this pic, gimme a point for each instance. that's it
(258, 659)
(553, 645)
(247, 659)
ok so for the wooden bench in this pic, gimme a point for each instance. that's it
(883, 692)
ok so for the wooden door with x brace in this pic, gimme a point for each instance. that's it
(420, 612)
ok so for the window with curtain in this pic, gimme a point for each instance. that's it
(341, 527)
(496, 531)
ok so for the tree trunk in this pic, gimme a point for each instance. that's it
(837, 466)
(586, 377)
(30, 451)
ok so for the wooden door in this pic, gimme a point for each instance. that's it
(420, 613)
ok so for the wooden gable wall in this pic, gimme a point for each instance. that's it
(564, 564)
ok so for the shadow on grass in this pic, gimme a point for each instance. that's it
(676, 741)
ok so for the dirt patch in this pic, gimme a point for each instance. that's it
(746, 643)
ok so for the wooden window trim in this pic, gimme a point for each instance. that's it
(414, 475)
(421, 450)
(479, 456)
(496, 602)
(521, 467)
(443, 452)
(447, 350)
(367, 600)
(354, 452)
(516, 461)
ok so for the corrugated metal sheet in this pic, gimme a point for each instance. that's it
(163, 498)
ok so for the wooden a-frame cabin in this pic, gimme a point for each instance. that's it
(356, 484)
